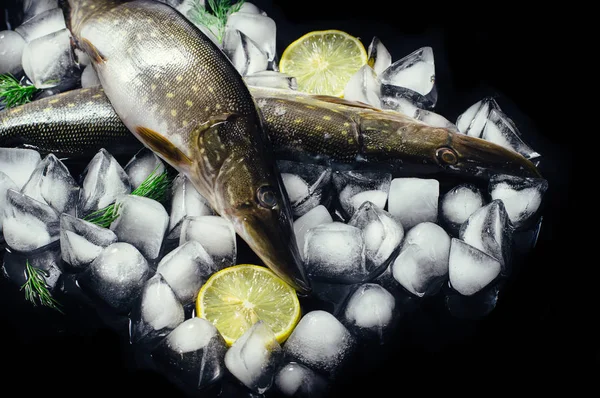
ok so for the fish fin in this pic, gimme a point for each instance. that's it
(341, 101)
(92, 51)
(164, 147)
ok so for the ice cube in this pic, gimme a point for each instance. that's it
(422, 265)
(364, 86)
(382, 234)
(46, 259)
(501, 130)
(307, 185)
(489, 230)
(28, 224)
(435, 120)
(335, 252)
(83, 60)
(11, 51)
(255, 357)
(142, 222)
(104, 180)
(471, 269)
(186, 268)
(412, 77)
(379, 57)
(522, 197)
(457, 205)
(412, 109)
(48, 61)
(320, 342)
(45, 23)
(18, 164)
(51, 183)
(259, 28)
(369, 312)
(246, 55)
(472, 121)
(215, 234)
(271, 79)
(89, 77)
(81, 241)
(356, 187)
(414, 200)
(192, 354)
(143, 163)
(5, 184)
(185, 201)
(157, 312)
(296, 380)
(31, 8)
(116, 276)
(314, 217)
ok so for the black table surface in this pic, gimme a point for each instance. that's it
(534, 334)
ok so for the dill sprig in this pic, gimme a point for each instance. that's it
(13, 93)
(214, 17)
(155, 186)
(36, 288)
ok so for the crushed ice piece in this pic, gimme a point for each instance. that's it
(364, 86)
(5, 184)
(422, 264)
(502, 131)
(185, 269)
(457, 205)
(317, 216)
(356, 187)
(307, 185)
(335, 252)
(259, 28)
(28, 224)
(254, 357)
(45, 23)
(185, 201)
(471, 269)
(51, 183)
(89, 77)
(216, 234)
(18, 164)
(271, 79)
(379, 58)
(11, 52)
(320, 342)
(143, 163)
(522, 197)
(247, 56)
(299, 381)
(414, 200)
(81, 241)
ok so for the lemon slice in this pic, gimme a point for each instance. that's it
(237, 297)
(323, 61)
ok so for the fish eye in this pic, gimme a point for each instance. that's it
(446, 155)
(266, 197)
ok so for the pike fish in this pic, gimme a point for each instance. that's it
(177, 92)
(312, 129)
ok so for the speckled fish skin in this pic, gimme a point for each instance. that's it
(180, 96)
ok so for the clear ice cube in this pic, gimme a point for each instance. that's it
(259, 28)
(157, 312)
(18, 164)
(298, 381)
(5, 184)
(11, 52)
(104, 180)
(489, 229)
(192, 355)
(314, 217)
(501, 130)
(422, 264)
(271, 79)
(81, 241)
(31, 8)
(255, 357)
(142, 222)
(46, 259)
(457, 205)
(186, 268)
(28, 224)
(143, 163)
(522, 197)
(215, 234)
(379, 58)
(414, 200)
(470, 269)
(51, 183)
(307, 185)
(364, 86)
(320, 342)
(116, 276)
(356, 187)
(185, 201)
(335, 252)
(89, 77)
(472, 121)
(44, 23)
(412, 109)
(247, 56)
(382, 234)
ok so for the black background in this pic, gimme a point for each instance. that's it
(535, 336)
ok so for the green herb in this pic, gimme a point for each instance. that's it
(155, 187)
(214, 17)
(13, 93)
(36, 288)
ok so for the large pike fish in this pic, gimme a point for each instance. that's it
(182, 98)
(313, 129)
